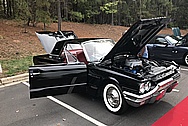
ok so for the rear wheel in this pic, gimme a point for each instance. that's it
(186, 59)
(113, 99)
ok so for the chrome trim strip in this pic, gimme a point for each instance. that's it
(147, 95)
(40, 89)
(165, 81)
(141, 96)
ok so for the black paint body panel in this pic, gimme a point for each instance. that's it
(58, 78)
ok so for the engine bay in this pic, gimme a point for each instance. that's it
(141, 66)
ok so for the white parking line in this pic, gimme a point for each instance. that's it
(27, 84)
(184, 69)
(92, 120)
(175, 90)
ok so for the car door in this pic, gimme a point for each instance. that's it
(55, 79)
(170, 52)
(160, 49)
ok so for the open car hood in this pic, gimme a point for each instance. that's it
(137, 36)
(49, 39)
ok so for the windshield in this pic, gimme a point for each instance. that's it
(171, 40)
(73, 46)
(69, 57)
(97, 49)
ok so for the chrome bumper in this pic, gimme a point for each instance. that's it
(150, 97)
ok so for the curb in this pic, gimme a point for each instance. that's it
(7, 80)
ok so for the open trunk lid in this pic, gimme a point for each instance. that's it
(49, 39)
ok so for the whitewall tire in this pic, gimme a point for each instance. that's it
(113, 99)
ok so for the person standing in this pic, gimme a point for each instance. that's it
(143, 52)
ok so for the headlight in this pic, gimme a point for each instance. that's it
(145, 87)
(142, 88)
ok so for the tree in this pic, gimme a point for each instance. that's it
(59, 15)
(182, 14)
(22, 11)
(1, 8)
(110, 8)
(115, 12)
(42, 12)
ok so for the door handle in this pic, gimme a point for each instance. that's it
(36, 73)
(174, 51)
(33, 73)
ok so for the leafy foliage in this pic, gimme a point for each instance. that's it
(76, 16)
(119, 12)
(22, 10)
(110, 7)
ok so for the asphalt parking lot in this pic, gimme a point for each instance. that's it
(78, 109)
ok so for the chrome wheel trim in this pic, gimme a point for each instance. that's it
(112, 98)
(186, 59)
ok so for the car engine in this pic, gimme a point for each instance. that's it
(133, 66)
(144, 67)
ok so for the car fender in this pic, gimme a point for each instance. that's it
(106, 81)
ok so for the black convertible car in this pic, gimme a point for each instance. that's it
(99, 67)
(167, 47)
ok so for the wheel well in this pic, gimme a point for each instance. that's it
(104, 83)
(185, 54)
(184, 57)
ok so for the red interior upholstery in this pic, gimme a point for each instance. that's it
(79, 54)
(81, 57)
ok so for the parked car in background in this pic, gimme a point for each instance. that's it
(167, 47)
(102, 68)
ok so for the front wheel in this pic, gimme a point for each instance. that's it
(113, 99)
(186, 59)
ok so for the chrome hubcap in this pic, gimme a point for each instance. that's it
(186, 59)
(113, 97)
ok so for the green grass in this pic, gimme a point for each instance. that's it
(13, 67)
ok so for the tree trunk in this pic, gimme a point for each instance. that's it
(8, 4)
(112, 18)
(166, 16)
(13, 9)
(33, 18)
(59, 15)
(4, 7)
(25, 27)
(10, 8)
(65, 10)
(28, 21)
(44, 26)
(119, 8)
